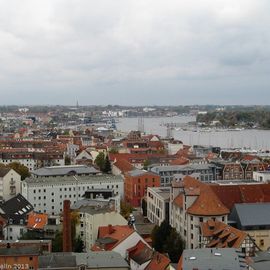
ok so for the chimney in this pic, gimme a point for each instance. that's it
(67, 245)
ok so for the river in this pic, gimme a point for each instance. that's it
(254, 139)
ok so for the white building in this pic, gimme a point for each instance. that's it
(15, 212)
(193, 202)
(261, 176)
(93, 214)
(47, 194)
(32, 158)
(158, 204)
(174, 147)
(10, 183)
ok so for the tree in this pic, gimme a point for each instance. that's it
(78, 245)
(174, 245)
(113, 151)
(166, 240)
(146, 164)
(57, 242)
(107, 165)
(126, 209)
(100, 161)
(22, 170)
(159, 235)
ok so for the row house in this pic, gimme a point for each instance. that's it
(252, 166)
(227, 170)
(167, 173)
(32, 159)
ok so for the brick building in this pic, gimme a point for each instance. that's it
(136, 183)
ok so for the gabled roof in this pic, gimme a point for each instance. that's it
(4, 171)
(222, 234)
(16, 208)
(123, 165)
(158, 262)
(112, 235)
(140, 253)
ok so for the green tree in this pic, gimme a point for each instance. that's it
(107, 165)
(100, 161)
(146, 164)
(20, 169)
(113, 151)
(159, 235)
(78, 245)
(166, 240)
(57, 242)
(174, 246)
(126, 209)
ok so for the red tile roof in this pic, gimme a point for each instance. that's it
(179, 200)
(158, 262)
(37, 221)
(232, 194)
(207, 204)
(116, 233)
(222, 235)
(123, 165)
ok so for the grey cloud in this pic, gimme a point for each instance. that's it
(103, 51)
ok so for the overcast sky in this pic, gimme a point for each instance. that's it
(135, 52)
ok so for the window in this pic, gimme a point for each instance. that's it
(52, 200)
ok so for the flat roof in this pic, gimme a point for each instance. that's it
(213, 258)
(65, 170)
(71, 180)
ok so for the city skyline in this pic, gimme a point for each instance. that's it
(134, 52)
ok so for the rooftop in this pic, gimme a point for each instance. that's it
(65, 170)
(252, 214)
(71, 180)
(212, 258)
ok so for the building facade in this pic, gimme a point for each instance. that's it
(136, 184)
(47, 194)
